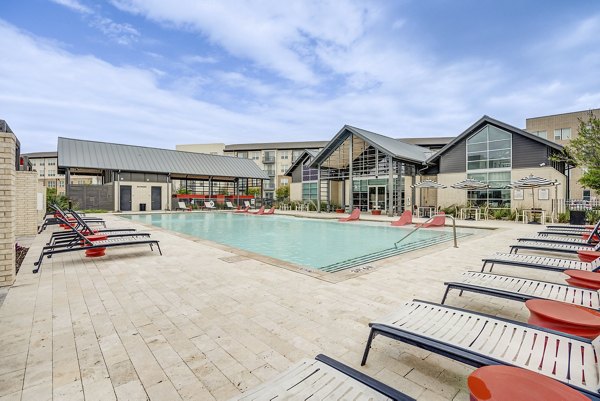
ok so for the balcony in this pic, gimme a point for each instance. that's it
(269, 186)
(270, 173)
(268, 159)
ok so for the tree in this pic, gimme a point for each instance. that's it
(584, 152)
(53, 199)
(254, 191)
(283, 192)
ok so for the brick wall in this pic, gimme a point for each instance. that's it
(27, 203)
(7, 208)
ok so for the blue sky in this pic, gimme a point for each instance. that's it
(160, 73)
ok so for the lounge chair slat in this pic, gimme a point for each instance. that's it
(505, 342)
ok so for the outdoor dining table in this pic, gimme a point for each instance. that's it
(499, 382)
(470, 213)
(526, 213)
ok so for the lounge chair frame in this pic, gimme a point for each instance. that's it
(559, 267)
(302, 371)
(469, 357)
(86, 244)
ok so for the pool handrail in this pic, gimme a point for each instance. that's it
(427, 221)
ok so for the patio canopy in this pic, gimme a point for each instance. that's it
(470, 185)
(532, 182)
(428, 184)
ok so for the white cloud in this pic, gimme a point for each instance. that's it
(74, 5)
(197, 59)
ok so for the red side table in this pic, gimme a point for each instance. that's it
(581, 278)
(588, 256)
(570, 319)
(507, 383)
(95, 252)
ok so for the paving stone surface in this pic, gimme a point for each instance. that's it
(203, 322)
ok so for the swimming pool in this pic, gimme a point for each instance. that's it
(315, 243)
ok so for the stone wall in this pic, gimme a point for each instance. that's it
(29, 202)
(7, 208)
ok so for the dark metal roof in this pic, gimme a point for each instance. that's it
(276, 145)
(41, 155)
(428, 141)
(489, 120)
(4, 127)
(395, 148)
(76, 153)
(306, 154)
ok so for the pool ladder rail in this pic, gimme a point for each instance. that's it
(427, 221)
(394, 251)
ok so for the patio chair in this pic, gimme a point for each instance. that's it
(244, 210)
(405, 218)
(183, 206)
(66, 217)
(82, 227)
(259, 211)
(478, 340)
(354, 216)
(210, 205)
(521, 289)
(437, 221)
(540, 246)
(85, 244)
(322, 378)
(270, 211)
(539, 262)
(247, 204)
(229, 205)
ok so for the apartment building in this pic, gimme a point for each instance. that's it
(46, 164)
(562, 128)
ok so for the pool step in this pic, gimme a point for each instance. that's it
(386, 253)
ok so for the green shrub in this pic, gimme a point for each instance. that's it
(564, 217)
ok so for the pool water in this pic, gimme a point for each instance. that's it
(313, 243)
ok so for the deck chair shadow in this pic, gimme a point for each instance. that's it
(84, 243)
(437, 221)
(479, 340)
(322, 378)
(405, 218)
(354, 216)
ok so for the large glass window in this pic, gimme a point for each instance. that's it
(309, 191)
(489, 159)
(562, 134)
(490, 148)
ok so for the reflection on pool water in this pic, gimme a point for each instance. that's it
(314, 243)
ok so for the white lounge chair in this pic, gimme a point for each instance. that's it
(522, 289)
(539, 262)
(479, 340)
(229, 205)
(209, 205)
(322, 379)
(182, 206)
(247, 204)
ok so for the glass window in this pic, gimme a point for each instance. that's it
(254, 155)
(285, 154)
(242, 155)
(495, 196)
(490, 148)
(309, 191)
(562, 134)
(541, 134)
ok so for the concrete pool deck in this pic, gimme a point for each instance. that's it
(204, 323)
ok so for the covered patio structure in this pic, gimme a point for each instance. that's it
(365, 170)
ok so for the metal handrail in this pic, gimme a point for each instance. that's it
(427, 221)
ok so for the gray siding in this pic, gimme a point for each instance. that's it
(454, 160)
(528, 153)
(297, 174)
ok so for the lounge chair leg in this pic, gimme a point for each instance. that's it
(367, 348)
(445, 294)
(159, 251)
(483, 267)
(151, 248)
(38, 264)
(459, 294)
(491, 267)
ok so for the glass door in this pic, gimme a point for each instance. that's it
(377, 198)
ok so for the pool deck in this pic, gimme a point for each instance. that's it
(204, 323)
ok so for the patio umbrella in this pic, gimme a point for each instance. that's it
(532, 182)
(428, 184)
(470, 185)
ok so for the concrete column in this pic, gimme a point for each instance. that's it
(319, 188)
(7, 208)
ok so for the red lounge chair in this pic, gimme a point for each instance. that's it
(270, 211)
(259, 211)
(244, 210)
(437, 221)
(355, 215)
(405, 219)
